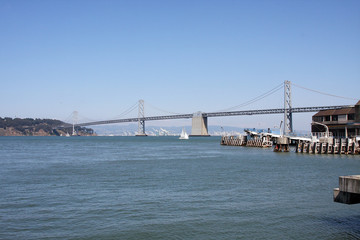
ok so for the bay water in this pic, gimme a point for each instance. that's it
(166, 188)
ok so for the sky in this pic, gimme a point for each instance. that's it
(101, 57)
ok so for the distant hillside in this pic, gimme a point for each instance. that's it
(37, 127)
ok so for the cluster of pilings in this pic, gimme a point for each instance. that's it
(244, 140)
(330, 146)
(282, 144)
(233, 140)
(263, 142)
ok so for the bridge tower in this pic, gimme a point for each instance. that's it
(75, 116)
(288, 126)
(199, 125)
(141, 119)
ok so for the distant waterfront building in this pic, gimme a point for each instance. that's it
(343, 122)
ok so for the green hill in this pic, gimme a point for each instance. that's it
(38, 127)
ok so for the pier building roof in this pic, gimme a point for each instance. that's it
(344, 122)
(342, 111)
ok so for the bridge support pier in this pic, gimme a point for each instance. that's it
(199, 126)
(282, 144)
(141, 119)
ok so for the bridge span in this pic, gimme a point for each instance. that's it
(199, 119)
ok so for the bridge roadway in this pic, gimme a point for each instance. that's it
(215, 114)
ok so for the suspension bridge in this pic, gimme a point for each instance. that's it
(200, 119)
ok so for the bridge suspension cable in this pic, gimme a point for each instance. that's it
(161, 110)
(258, 98)
(75, 118)
(323, 93)
(127, 111)
(82, 118)
(69, 118)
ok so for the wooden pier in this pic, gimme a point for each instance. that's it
(245, 140)
(331, 146)
(233, 140)
(323, 145)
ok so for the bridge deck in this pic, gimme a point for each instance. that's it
(215, 114)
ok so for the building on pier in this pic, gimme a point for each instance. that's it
(343, 122)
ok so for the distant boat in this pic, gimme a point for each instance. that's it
(183, 135)
(67, 135)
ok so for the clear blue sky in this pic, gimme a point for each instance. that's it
(101, 57)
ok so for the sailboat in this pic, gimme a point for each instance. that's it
(183, 135)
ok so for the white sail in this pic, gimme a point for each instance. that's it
(183, 135)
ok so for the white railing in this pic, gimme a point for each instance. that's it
(321, 134)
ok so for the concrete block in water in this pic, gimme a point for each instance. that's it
(282, 140)
(349, 190)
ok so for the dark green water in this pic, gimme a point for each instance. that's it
(165, 188)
